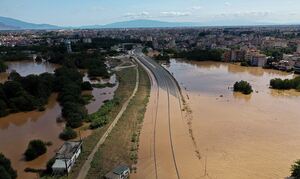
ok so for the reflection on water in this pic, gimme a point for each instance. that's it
(25, 68)
(241, 136)
(101, 94)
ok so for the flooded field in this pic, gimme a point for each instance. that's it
(25, 68)
(238, 136)
(16, 130)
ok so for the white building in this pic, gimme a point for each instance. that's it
(66, 157)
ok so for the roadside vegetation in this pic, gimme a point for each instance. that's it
(122, 144)
(126, 78)
(286, 84)
(6, 170)
(243, 87)
(35, 149)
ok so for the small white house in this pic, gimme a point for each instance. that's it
(66, 157)
(121, 172)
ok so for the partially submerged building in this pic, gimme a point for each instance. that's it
(66, 157)
(121, 172)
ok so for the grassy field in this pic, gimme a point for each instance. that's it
(126, 79)
(122, 144)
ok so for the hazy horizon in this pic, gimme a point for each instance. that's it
(90, 12)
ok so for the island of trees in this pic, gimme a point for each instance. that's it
(286, 84)
(35, 149)
(243, 87)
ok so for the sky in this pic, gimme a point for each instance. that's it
(91, 12)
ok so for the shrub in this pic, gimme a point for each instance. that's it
(98, 122)
(295, 170)
(243, 87)
(68, 134)
(35, 149)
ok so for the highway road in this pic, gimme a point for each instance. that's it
(166, 148)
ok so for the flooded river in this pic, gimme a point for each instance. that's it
(16, 130)
(239, 136)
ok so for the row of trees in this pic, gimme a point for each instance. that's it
(286, 84)
(68, 83)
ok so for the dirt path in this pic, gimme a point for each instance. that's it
(86, 166)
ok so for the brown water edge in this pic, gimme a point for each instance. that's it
(27, 67)
(16, 130)
(238, 136)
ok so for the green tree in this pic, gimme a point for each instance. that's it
(243, 87)
(67, 134)
(295, 170)
(35, 149)
(6, 171)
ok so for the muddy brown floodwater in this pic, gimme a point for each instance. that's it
(239, 136)
(16, 130)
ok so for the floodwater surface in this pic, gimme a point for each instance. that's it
(240, 136)
(16, 130)
(27, 67)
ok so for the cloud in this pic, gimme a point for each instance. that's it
(143, 14)
(227, 3)
(197, 7)
(251, 14)
(174, 14)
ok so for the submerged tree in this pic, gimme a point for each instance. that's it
(243, 87)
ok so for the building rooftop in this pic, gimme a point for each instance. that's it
(68, 149)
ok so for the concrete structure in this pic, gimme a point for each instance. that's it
(297, 67)
(121, 172)
(258, 60)
(66, 157)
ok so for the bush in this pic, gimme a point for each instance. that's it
(35, 149)
(68, 134)
(243, 87)
(99, 122)
(6, 171)
(295, 170)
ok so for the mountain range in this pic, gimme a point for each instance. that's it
(14, 24)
